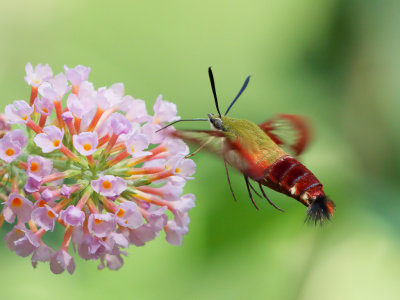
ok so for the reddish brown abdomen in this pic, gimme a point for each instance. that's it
(287, 175)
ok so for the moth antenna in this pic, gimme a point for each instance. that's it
(248, 189)
(210, 74)
(174, 122)
(229, 181)
(246, 82)
(269, 201)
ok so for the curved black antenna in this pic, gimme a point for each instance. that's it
(172, 123)
(210, 74)
(246, 82)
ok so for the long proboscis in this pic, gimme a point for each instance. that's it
(177, 121)
(246, 82)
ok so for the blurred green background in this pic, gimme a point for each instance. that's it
(336, 62)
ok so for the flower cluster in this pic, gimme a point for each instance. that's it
(91, 162)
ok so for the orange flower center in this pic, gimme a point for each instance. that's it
(42, 203)
(24, 118)
(17, 202)
(87, 147)
(34, 167)
(98, 221)
(177, 170)
(10, 152)
(56, 143)
(106, 184)
(45, 110)
(51, 214)
(121, 212)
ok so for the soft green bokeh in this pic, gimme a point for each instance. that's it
(337, 62)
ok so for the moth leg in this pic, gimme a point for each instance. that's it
(209, 140)
(248, 189)
(229, 180)
(254, 190)
(269, 201)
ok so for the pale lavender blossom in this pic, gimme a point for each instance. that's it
(21, 240)
(164, 111)
(32, 184)
(76, 106)
(142, 235)
(113, 94)
(18, 112)
(135, 109)
(50, 195)
(128, 215)
(38, 166)
(56, 88)
(11, 145)
(62, 261)
(41, 73)
(157, 218)
(102, 224)
(86, 142)
(174, 233)
(17, 205)
(73, 216)
(67, 117)
(50, 139)
(181, 209)
(42, 253)
(77, 75)
(45, 217)
(109, 185)
(136, 143)
(119, 124)
(44, 106)
(180, 166)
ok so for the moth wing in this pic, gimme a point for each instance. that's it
(215, 142)
(291, 132)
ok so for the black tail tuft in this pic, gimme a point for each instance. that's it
(320, 209)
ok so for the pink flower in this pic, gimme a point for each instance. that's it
(45, 217)
(113, 94)
(77, 107)
(102, 224)
(44, 106)
(128, 215)
(50, 139)
(164, 111)
(72, 216)
(61, 261)
(109, 185)
(33, 184)
(18, 112)
(38, 166)
(136, 143)
(142, 235)
(42, 253)
(180, 166)
(11, 145)
(40, 74)
(181, 209)
(157, 218)
(77, 75)
(86, 143)
(16, 205)
(21, 240)
(135, 109)
(56, 88)
(119, 124)
(174, 233)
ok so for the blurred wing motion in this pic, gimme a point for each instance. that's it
(291, 132)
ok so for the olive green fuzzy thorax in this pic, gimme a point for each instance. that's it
(251, 137)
